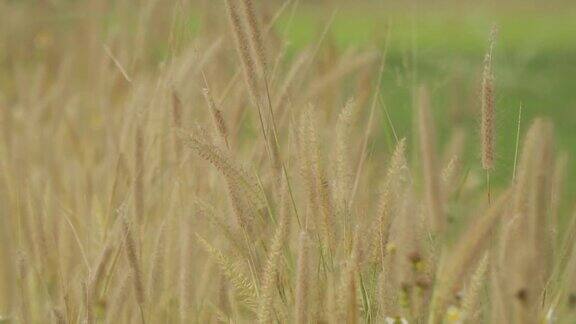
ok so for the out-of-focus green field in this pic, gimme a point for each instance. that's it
(535, 66)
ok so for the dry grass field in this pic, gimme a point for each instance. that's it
(172, 161)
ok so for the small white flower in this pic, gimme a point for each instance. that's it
(395, 320)
(550, 317)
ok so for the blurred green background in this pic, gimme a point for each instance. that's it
(442, 44)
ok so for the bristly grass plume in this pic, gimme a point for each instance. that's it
(143, 181)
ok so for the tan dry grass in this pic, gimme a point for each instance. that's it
(124, 200)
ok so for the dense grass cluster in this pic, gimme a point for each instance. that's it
(239, 180)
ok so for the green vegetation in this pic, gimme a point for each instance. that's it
(535, 60)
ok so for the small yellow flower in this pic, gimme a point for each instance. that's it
(43, 40)
(391, 247)
(454, 315)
